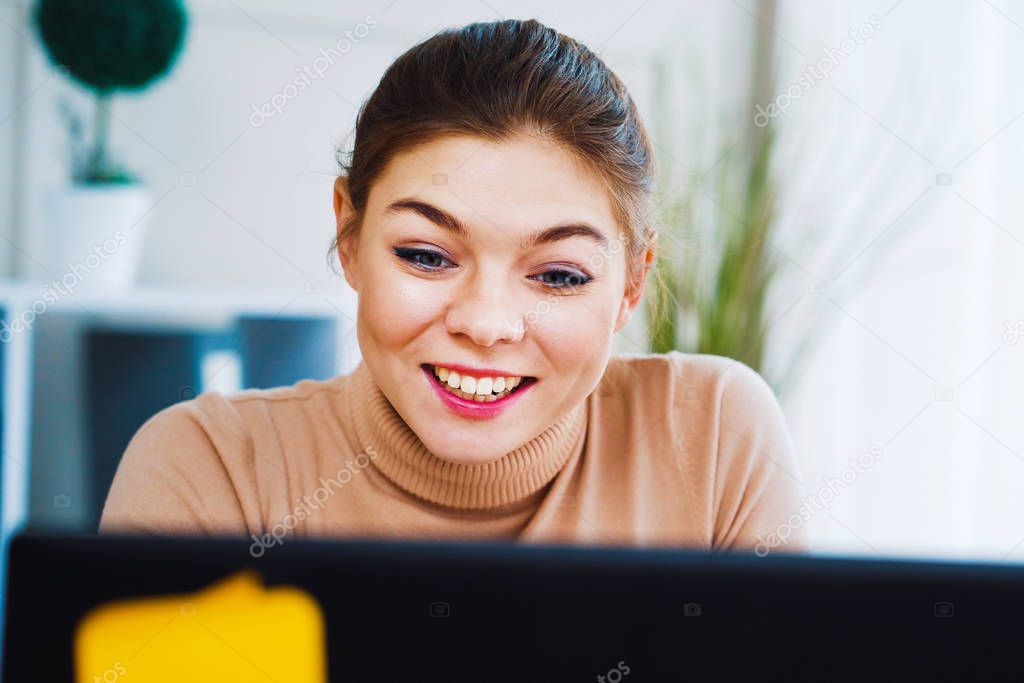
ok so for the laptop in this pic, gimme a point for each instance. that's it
(451, 611)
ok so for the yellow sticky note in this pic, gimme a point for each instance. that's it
(235, 630)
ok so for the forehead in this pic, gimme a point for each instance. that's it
(518, 183)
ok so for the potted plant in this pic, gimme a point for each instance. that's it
(96, 225)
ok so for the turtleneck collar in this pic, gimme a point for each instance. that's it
(407, 462)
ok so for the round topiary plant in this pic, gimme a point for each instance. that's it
(110, 45)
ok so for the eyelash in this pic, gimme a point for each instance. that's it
(409, 255)
(574, 278)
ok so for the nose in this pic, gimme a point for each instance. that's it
(481, 312)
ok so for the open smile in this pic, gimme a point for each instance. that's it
(483, 394)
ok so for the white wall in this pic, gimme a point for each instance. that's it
(923, 306)
(259, 212)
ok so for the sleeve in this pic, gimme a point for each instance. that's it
(172, 480)
(758, 488)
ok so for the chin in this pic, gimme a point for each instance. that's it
(466, 451)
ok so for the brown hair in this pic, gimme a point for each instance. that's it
(495, 80)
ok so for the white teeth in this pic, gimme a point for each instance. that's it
(479, 398)
(482, 390)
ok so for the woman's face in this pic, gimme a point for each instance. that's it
(478, 260)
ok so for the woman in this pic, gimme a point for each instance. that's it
(495, 221)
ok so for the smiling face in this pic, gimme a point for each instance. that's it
(478, 260)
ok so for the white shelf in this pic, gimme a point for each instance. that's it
(141, 308)
(173, 301)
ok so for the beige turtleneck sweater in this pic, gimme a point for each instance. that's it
(670, 449)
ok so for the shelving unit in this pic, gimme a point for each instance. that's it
(76, 383)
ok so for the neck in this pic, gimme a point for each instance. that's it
(407, 462)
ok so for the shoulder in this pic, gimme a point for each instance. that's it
(729, 430)
(703, 392)
(196, 464)
(237, 415)
(175, 472)
(706, 378)
(227, 423)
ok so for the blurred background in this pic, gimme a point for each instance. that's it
(839, 191)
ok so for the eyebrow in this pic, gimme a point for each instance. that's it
(445, 220)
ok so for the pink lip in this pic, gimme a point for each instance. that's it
(474, 409)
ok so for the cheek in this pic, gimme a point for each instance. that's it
(394, 309)
(574, 331)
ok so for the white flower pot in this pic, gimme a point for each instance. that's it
(93, 235)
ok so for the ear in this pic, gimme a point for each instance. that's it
(635, 292)
(343, 213)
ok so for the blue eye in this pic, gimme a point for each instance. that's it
(560, 278)
(425, 259)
